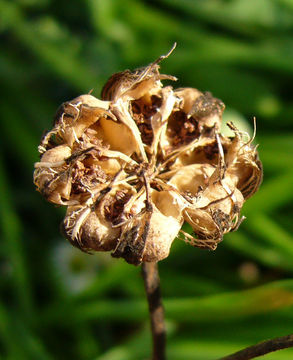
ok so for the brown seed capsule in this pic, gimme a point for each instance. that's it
(134, 166)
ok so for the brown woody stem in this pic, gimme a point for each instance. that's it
(152, 287)
(262, 348)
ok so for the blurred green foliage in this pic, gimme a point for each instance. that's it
(57, 303)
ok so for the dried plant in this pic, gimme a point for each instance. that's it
(132, 167)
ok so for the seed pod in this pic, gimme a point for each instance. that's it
(88, 230)
(135, 165)
(244, 165)
(148, 235)
(52, 175)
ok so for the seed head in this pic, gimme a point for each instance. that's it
(132, 167)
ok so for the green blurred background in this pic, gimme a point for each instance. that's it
(57, 303)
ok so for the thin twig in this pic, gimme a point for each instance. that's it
(152, 287)
(262, 348)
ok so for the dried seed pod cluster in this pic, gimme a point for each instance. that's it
(132, 167)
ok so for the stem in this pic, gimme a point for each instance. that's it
(262, 348)
(152, 288)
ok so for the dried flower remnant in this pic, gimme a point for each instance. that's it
(132, 167)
